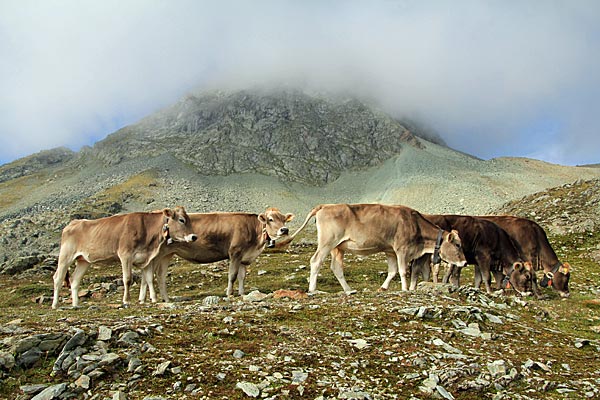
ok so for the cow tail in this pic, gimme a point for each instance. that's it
(288, 240)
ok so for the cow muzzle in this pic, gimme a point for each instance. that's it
(191, 238)
(283, 231)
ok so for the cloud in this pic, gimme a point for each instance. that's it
(493, 77)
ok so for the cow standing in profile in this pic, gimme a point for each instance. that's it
(535, 248)
(237, 237)
(134, 239)
(398, 231)
(488, 247)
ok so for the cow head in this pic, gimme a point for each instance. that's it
(274, 225)
(177, 226)
(521, 278)
(451, 249)
(558, 278)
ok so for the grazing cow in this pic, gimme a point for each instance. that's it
(398, 231)
(239, 237)
(534, 247)
(134, 239)
(490, 248)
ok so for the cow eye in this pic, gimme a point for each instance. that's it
(271, 219)
(182, 220)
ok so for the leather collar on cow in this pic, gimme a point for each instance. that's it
(548, 276)
(438, 243)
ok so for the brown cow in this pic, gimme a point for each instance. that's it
(239, 237)
(398, 231)
(490, 248)
(534, 247)
(134, 239)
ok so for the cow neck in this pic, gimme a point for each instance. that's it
(438, 243)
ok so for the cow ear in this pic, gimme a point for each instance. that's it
(167, 212)
(262, 218)
(289, 217)
(453, 236)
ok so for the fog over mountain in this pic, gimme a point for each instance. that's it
(493, 78)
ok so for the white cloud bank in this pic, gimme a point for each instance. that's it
(495, 78)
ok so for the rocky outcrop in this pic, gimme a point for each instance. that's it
(287, 134)
(28, 165)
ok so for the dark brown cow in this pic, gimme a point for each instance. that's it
(134, 239)
(239, 237)
(398, 231)
(534, 247)
(490, 248)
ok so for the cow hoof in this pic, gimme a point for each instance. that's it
(350, 292)
(125, 305)
(316, 292)
(382, 289)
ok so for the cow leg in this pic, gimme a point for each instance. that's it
(477, 276)
(147, 282)
(315, 265)
(448, 270)
(484, 263)
(81, 266)
(392, 271)
(241, 276)
(454, 277)
(127, 279)
(64, 260)
(403, 270)
(435, 272)
(337, 266)
(161, 271)
(232, 275)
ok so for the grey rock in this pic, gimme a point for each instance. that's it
(7, 360)
(104, 333)
(82, 383)
(32, 390)
(109, 359)
(78, 339)
(210, 300)
(133, 364)
(51, 392)
(497, 368)
(250, 389)
(355, 395)
(29, 358)
(161, 368)
(129, 338)
(299, 377)
(238, 354)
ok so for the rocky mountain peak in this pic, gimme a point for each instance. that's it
(283, 133)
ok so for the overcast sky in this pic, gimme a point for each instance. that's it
(494, 78)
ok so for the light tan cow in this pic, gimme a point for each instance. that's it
(398, 231)
(134, 239)
(239, 237)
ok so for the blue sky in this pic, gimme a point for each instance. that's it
(494, 78)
